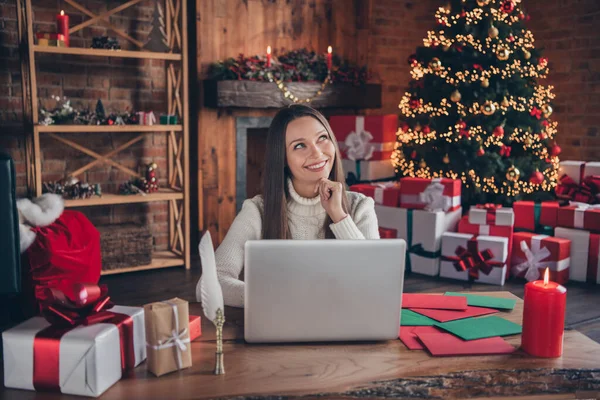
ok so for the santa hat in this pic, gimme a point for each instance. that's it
(41, 211)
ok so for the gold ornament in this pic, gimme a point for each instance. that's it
(482, 3)
(423, 164)
(485, 83)
(526, 54)
(505, 103)
(528, 141)
(502, 53)
(547, 110)
(493, 32)
(512, 174)
(488, 108)
(455, 96)
(446, 159)
(435, 64)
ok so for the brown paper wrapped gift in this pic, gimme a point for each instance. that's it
(168, 336)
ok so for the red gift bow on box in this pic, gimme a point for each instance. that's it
(490, 208)
(473, 260)
(586, 192)
(90, 307)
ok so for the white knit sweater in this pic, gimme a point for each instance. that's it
(306, 220)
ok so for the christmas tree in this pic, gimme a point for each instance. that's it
(474, 109)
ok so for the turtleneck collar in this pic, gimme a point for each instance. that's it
(302, 205)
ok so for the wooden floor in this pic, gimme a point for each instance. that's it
(138, 288)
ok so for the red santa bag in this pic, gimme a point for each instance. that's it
(64, 252)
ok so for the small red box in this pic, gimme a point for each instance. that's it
(386, 194)
(195, 327)
(527, 211)
(376, 131)
(413, 193)
(557, 253)
(388, 233)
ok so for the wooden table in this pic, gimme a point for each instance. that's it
(361, 370)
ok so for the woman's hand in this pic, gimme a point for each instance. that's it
(331, 198)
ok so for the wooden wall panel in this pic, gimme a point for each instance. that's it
(226, 28)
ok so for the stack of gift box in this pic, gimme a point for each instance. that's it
(366, 144)
(419, 211)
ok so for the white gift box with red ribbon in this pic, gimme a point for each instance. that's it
(585, 254)
(484, 215)
(437, 194)
(577, 170)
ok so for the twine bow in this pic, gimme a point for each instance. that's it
(177, 339)
(533, 259)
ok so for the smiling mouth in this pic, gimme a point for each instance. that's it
(316, 166)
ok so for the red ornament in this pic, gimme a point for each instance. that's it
(465, 133)
(462, 125)
(555, 150)
(414, 103)
(413, 155)
(536, 178)
(404, 127)
(527, 17)
(505, 151)
(543, 61)
(521, 16)
(499, 131)
(545, 123)
(478, 66)
(508, 6)
(463, 14)
(510, 38)
(480, 152)
(543, 136)
(426, 129)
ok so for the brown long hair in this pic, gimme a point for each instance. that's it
(276, 172)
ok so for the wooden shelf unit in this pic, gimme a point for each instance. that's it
(177, 193)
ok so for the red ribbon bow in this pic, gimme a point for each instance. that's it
(505, 151)
(490, 217)
(473, 260)
(536, 112)
(89, 306)
(588, 191)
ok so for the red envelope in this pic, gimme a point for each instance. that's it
(408, 335)
(446, 344)
(451, 315)
(436, 301)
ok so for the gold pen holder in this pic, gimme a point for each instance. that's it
(219, 322)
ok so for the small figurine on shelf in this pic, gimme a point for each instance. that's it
(152, 181)
(129, 188)
(53, 187)
(72, 188)
(146, 118)
(105, 42)
(51, 39)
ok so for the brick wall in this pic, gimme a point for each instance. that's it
(120, 84)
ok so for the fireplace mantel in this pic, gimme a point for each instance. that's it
(262, 95)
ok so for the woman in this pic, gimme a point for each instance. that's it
(303, 196)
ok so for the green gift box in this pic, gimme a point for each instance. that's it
(168, 119)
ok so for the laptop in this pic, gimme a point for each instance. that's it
(323, 290)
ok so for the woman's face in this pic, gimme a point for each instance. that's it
(310, 153)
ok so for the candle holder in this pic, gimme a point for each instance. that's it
(544, 318)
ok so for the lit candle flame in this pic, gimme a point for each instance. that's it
(329, 49)
(62, 12)
(268, 49)
(546, 276)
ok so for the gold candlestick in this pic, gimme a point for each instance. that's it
(219, 322)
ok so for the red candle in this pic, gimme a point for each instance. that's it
(62, 26)
(329, 51)
(268, 56)
(544, 318)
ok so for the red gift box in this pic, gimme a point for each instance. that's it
(431, 194)
(195, 327)
(464, 226)
(530, 215)
(580, 216)
(534, 253)
(388, 233)
(370, 137)
(386, 194)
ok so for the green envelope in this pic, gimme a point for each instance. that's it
(486, 301)
(411, 318)
(479, 328)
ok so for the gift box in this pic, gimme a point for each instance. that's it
(474, 258)
(578, 170)
(585, 251)
(535, 217)
(533, 253)
(168, 336)
(370, 137)
(81, 360)
(195, 327)
(579, 216)
(168, 119)
(422, 231)
(464, 226)
(387, 233)
(430, 194)
(51, 39)
(368, 170)
(146, 118)
(386, 194)
(491, 214)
